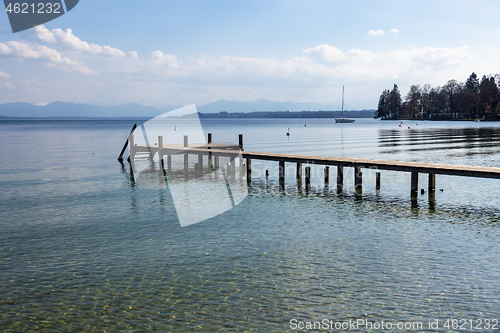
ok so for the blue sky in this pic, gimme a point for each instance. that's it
(199, 51)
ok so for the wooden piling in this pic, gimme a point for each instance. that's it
(120, 157)
(216, 166)
(200, 163)
(358, 180)
(432, 183)
(209, 141)
(299, 175)
(340, 179)
(308, 178)
(186, 155)
(233, 167)
(249, 170)
(327, 176)
(414, 185)
(282, 174)
(160, 155)
(377, 181)
(240, 141)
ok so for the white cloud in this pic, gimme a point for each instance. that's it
(376, 33)
(395, 31)
(69, 40)
(19, 50)
(4, 75)
(168, 60)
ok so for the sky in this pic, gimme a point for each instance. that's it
(159, 53)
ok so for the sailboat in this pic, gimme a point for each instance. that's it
(343, 120)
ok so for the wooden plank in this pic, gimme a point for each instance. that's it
(442, 169)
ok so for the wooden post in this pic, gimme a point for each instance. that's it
(209, 141)
(327, 176)
(249, 170)
(186, 155)
(308, 178)
(169, 162)
(358, 180)
(216, 166)
(414, 185)
(377, 181)
(200, 164)
(282, 174)
(240, 139)
(299, 175)
(233, 167)
(120, 157)
(131, 151)
(160, 155)
(340, 179)
(432, 183)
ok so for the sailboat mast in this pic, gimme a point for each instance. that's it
(342, 101)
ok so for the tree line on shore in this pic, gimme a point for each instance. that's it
(471, 100)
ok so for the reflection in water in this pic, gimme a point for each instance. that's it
(485, 139)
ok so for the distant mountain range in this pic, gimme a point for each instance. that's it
(67, 109)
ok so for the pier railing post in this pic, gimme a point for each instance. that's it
(240, 141)
(340, 179)
(120, 157)
(377, 181)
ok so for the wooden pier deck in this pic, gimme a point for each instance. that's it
(234, 151)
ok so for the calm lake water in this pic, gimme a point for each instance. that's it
(83, 250)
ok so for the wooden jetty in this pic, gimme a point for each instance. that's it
(234, 151)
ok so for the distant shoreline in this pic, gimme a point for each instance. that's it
(233, 115)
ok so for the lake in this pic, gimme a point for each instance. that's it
(84, 250)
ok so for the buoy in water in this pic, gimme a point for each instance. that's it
(288, 132)
(175, 128)
(408, 127)
(399, 125)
